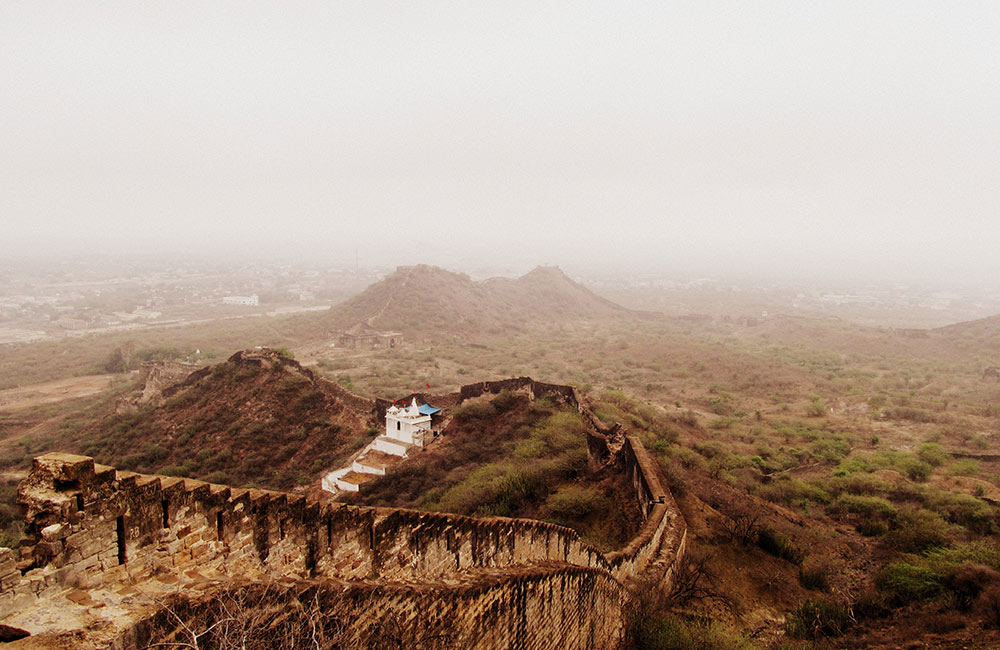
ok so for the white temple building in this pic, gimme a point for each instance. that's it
(406, 427)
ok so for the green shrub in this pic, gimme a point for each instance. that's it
(817, 618)
(659, 632)
(872, 527)
(793, 490)
(860, 484)
(863, 505)
(496, 489)
(933, 454)
(831, 450)
(724, 422)
(919, 470)
(907, 581)
(474, 411)
(918, 530)
(966, 510)
(964, 467)
(718, 406)
(575, 501)
(816, 407)
(778, 545)
(504, 401)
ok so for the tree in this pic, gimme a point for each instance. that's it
(122, 358)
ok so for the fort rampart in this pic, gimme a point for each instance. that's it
(493, 582)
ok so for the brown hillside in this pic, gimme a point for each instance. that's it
(258, 418)
(988, 325)
(417, 299)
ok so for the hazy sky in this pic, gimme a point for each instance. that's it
(799, 137)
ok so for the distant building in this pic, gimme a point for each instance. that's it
(364, 335)
(246, 301)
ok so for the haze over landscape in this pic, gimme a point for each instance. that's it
(850, 140)
(646, 326)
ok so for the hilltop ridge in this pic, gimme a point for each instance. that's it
(258, 418)
(426, 298)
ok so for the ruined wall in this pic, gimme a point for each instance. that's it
(531, 608)
(91, 526)
(656, 551)
(537, 389)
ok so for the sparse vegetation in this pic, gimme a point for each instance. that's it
(867, 457)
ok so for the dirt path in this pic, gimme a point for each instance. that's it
(52, 392)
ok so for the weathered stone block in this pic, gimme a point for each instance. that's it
(55, 531)
(9, 580)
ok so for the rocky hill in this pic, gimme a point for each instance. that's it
(258, 418)
(417, 299)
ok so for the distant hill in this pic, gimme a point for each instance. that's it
(987, 327)
(258, 418)
(422, 298)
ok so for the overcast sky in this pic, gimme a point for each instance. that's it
(803, 137)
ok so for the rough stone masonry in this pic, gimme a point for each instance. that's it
(121, 560)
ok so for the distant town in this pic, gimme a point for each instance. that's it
(76, 298)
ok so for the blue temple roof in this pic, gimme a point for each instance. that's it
(427, 409)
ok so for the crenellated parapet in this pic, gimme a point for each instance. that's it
(91, 527)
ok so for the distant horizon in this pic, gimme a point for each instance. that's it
(481, 269)
(851, 141)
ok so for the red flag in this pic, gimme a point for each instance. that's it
(428, 385)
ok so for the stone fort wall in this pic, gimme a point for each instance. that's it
(496, 582)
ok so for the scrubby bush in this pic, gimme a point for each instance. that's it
(575, 501)
(963, 569)
(919, 470)
(869, 604)
(668, 632)
(779, 545)
(863, 505)
(918, 530)
(473, 411)
(816, 407)
(816, 618)
(933, 454)
(872, 527)
(504, 401)
(989, 605)
(793, 490)
(496, 489)
(964, 467)
(908, 581)
(284, 352)
(815, 575)
(859, 483)
(831, 450)
(966, 583)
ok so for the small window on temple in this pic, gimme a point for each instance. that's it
(397, 426)
(166, 513)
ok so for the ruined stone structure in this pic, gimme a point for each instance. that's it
(117, 559)
(364, 335)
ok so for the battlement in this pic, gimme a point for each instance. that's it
(90, 526)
